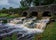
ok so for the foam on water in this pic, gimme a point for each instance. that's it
(24, 28)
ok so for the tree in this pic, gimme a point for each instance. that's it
(4, 10)
(29, 2)
(46, 2)
(23, 4)
(11, 10)
(26, 3)
(36, 2)
(54, 2)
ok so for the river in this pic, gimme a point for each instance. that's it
(23, 32)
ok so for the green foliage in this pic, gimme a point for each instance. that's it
(11, 10)
(6, 38)
(13, 37)
(28, 3)
(9, 16)
(3, 14)
(23, 8)
(36, 2)
(49, 33)
(25, 3)
(46, 2)
(54, 2)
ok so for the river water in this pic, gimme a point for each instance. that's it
(23, 32)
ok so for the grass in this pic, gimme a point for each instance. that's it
(3, 15)
(8, 15)
(49, 33)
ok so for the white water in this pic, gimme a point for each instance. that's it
(21, 28)
(29, 30)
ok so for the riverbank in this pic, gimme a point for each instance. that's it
(48, 34)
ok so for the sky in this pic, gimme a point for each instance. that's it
(9, 3)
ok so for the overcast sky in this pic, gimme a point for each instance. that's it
(9, 3)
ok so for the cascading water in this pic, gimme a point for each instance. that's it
(23, 32)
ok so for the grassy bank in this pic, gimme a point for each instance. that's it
(49, 33)
(8, 15)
